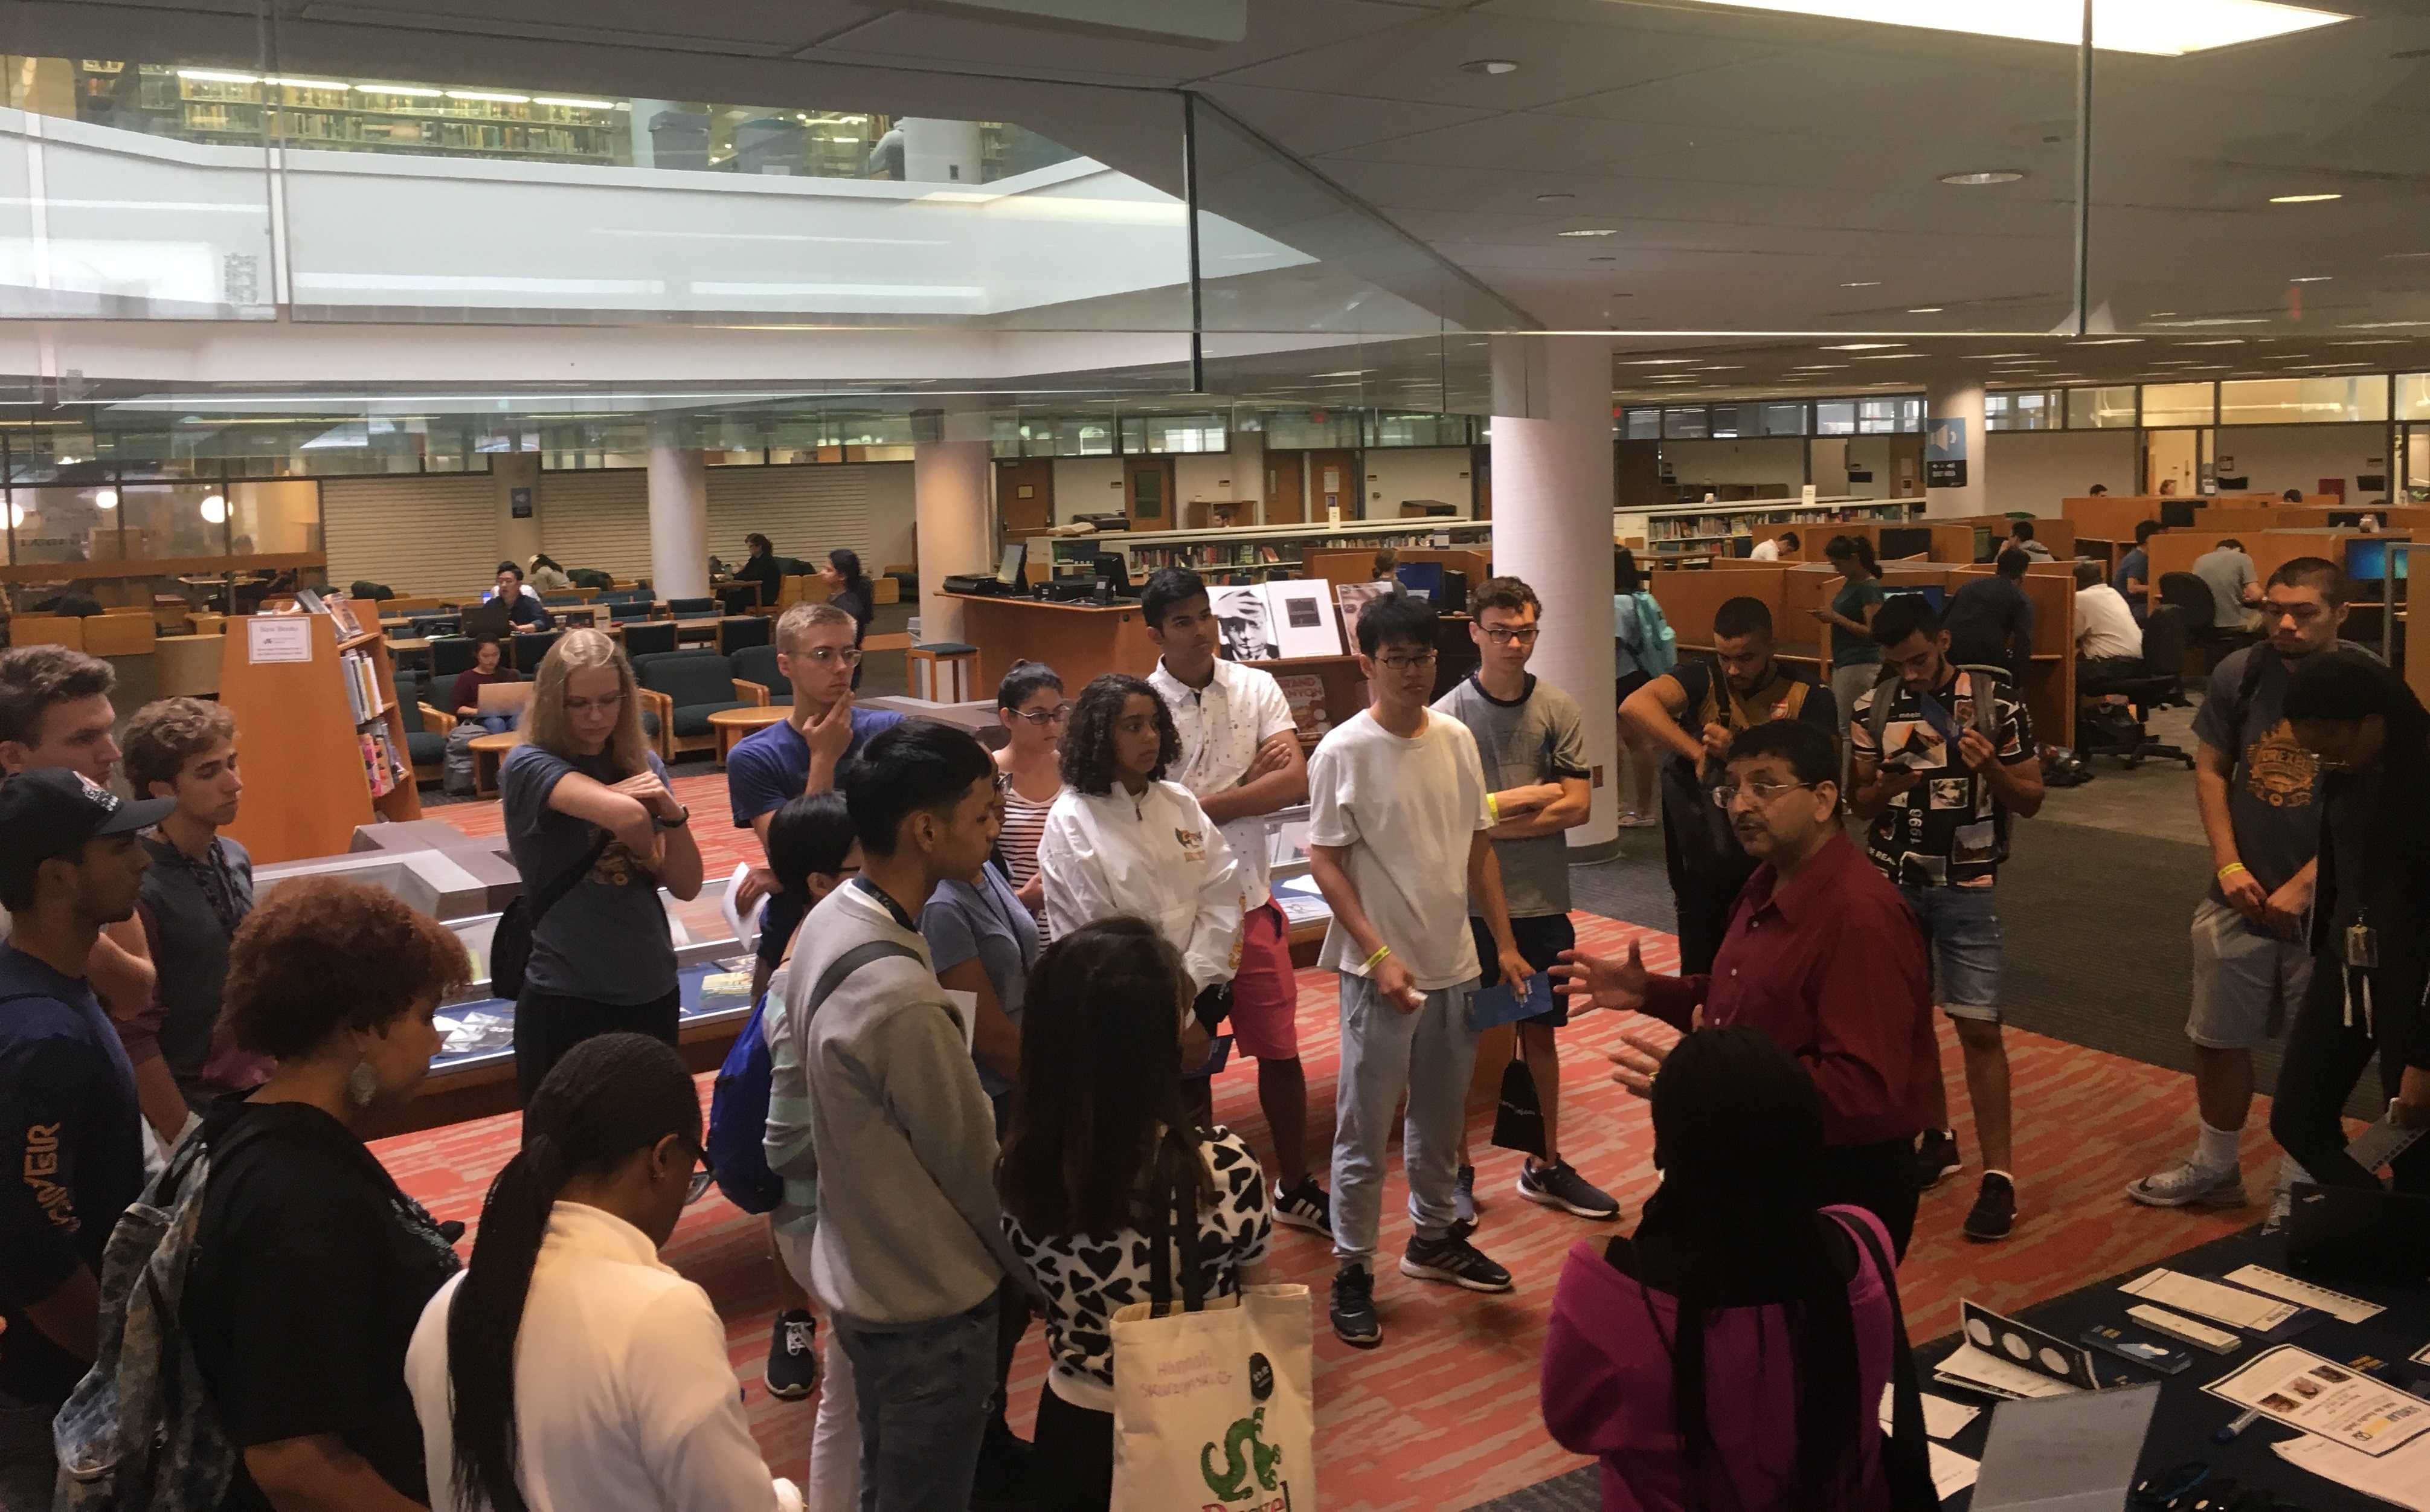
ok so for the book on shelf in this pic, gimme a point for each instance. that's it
(341, 611)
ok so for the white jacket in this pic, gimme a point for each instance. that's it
(1157, 856)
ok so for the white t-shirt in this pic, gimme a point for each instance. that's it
(1765, 551)
(2104, 626)
(1407, 810)
(1222, 725)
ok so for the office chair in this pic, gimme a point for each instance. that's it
(629, 609)
(530, 646)
(736, 632)
(640, 640)
(2191, 595)
(450, 655)
(691, 608)
(2161, 681)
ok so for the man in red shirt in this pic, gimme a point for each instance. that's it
(1823, 954)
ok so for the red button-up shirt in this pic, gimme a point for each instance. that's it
(1831, 965)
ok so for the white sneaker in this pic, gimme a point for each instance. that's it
(2187, 1185)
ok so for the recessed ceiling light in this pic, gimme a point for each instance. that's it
(1547, 199)
(2303, 199)
(2382, 341)
(1600, 230)
(2154, 27)
(1925, 309)
(1890, 356)
(2217, 341)
(1820, 367)
(2317, 278)
(1863, 346)
(1488, 65)
(1993, 356)
(1990, 175)
(1869, 283)
(1655, 362)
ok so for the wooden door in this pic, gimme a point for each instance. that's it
(1025, 496)
(1147, 492)
(1285, 488)
(1335, 478)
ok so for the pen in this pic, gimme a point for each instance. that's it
(2243, 1421)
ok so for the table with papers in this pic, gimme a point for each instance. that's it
(2353, 1319)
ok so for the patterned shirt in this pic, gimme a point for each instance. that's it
(1949, 829)
(1222, 725)
(1017, 842)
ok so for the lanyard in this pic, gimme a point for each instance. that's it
(891, 906)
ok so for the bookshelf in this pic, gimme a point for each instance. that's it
(322, 737)
(1708, 530)
(1244, 553)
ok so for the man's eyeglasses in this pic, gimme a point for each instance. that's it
(1405, 664)
(1762, 792)
(833, 656)
(584, 705)
(1502, 635)
(1060, 713)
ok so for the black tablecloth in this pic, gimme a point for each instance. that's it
(2187, 1416)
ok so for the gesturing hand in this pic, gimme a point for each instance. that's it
(830, 733)
(1975, 748)
(1603, 983)
(1639, 1064)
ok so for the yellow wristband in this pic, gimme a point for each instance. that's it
(2232, 866)
(1493, 809)
(1381, 950)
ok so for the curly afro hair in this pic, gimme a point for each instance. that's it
(321, 954)
(1087, 753)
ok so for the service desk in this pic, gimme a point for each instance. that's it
(1080, 640)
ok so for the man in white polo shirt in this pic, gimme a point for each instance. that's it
(1240, 758)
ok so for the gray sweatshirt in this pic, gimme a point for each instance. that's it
(901, 1136)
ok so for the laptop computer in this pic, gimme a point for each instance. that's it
(505, 698)
(484, 620)
(2359, 1231)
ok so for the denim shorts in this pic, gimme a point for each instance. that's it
(1962, 926)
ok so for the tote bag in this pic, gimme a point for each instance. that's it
(1214, 1399)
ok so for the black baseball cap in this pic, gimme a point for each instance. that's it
(50, 811)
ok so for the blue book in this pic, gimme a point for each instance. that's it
(1498, 1004)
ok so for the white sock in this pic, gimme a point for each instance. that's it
(2215, 1149)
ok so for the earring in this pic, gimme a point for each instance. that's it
(362, 1084)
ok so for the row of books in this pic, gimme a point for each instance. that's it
(360, 676)
(383, 767)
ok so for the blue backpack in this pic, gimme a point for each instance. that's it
(1656, 645)
(738, 1119)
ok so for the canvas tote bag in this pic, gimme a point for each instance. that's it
(1214, 1401)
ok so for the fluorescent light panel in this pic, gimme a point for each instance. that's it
(2164, 28)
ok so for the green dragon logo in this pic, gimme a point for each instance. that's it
(1232, 1483)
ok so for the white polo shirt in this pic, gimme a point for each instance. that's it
(1222, 725)
(2104, 626)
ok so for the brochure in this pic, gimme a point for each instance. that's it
(2232, 1306)
(2302, 1390)
(2336, 1304)
(2402, 1477)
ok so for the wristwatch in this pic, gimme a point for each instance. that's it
(680, 819)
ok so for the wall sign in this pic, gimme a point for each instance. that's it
(275, 637)
(519, 503)
(1944, 454)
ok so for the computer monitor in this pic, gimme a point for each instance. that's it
(1985, 549)
(488, 621)
(1903, 541)
(1932, 593)
(1422, 578)
(2367, 561)
(2177, 514)
(1009, 568)
(1113, 575)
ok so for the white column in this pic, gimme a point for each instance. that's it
(1551, 526)
(678, 521)
(940, 152)
(950, 477)
(1952, 416)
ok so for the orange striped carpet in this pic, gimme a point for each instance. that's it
(1445, 1415)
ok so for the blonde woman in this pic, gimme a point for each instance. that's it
(586, 798)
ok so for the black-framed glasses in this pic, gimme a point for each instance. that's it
(1422, 659)
(1503, 635)
(1762, 792)
(1042, 717)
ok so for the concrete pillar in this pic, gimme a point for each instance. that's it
(1551, 526)
(1953, 479)
(679, 521)
(951, 473)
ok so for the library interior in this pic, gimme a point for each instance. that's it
(1417, 526)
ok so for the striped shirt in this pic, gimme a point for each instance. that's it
(1023, 822)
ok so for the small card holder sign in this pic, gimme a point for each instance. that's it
(2026, 1345)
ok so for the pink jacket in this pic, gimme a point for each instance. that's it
(1607, 1388)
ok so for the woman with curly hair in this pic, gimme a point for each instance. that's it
(1122, 840)
(312, 1267)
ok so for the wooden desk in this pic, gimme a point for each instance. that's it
(488, 752)
(1081, 641)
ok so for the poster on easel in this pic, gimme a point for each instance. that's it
(1352, 597)
(1302, 618)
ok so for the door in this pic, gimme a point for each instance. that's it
(2171, 461)
(1025, 497)
(1334, 482)
(1285, 488)
(1147, 492)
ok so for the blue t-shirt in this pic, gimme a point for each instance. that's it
(70, 1157)
(768, 769)
(607, 938)
(2136, 564)
(987, 921)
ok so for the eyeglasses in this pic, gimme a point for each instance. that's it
(1405, 664)
(1762, 792)
(1503, 635)
(1059, 714)
(584, 705)
(833, 656)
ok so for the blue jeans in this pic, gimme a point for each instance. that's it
(494, 724)
(1962, 926)
(924, 1393)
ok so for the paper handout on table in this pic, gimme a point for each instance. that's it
(2300, 1389)
(2336, 1304)
(2232, 1306)
(1978, 1369)
(1952, 1471)
(2072, 1454)
(2402, 1477)
(1942, 1418)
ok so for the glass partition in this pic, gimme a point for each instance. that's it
(2301, 401)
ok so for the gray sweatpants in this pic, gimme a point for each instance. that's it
(1384, 1052)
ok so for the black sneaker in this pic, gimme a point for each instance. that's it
(1995, 1210)
(1454, 1259)
(1304, 1205)
(1002, 1483)
(1354, 1307)
(1463, 1196)
(793, 1355)
(1560, 1186)
(1936, 1158)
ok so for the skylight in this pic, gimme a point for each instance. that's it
(2165, 28)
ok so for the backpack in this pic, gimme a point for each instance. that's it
(1656, 646)
(139, 1433)
(738, 1105)
(456, 772)
(1701, 831)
